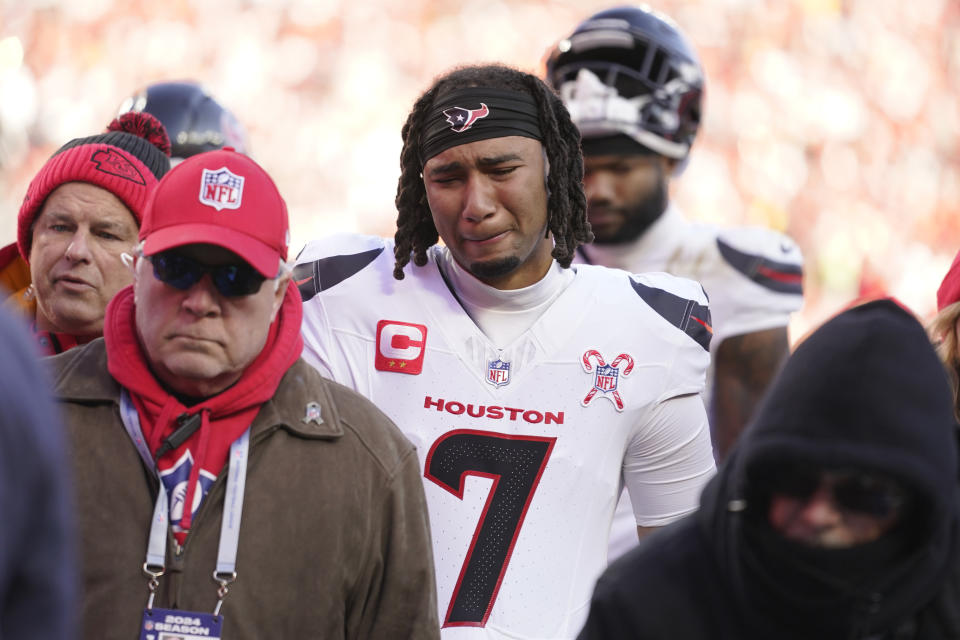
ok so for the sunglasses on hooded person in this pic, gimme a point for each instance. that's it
(853, 491)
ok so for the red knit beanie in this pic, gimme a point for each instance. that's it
(128, 161)
(949, 291)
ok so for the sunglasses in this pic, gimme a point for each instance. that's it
(853, 492)
(181, 272)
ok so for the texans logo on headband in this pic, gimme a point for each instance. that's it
(462, 119)
(504, 113)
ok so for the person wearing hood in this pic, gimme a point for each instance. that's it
(836, 516)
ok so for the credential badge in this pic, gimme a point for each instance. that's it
(606, 377)
(498, 372)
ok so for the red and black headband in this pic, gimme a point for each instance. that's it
(478, 113)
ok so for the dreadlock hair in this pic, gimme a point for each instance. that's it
(566, 202)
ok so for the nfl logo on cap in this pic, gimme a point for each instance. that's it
(221, 189)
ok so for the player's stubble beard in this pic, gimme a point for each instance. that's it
(498, 268)
(639, 215)
(494, 269)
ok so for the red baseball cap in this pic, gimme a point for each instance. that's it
(949, 291)
(223, 198)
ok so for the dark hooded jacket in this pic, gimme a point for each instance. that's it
(865, 391)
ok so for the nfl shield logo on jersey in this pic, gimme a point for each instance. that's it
(221, 189)
(606, 378)
(498, 373)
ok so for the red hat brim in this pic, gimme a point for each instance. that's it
(260, 256)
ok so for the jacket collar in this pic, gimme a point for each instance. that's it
(302, 405)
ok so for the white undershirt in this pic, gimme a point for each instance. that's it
(503, 315)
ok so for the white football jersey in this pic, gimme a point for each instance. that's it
(524, 450)
(752, 276)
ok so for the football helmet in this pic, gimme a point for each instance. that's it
(630, 71)
(194, 121)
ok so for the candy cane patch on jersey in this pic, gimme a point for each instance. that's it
(606, 378)
(400, 347)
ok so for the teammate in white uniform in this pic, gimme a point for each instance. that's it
(533, 391)
(634, 87)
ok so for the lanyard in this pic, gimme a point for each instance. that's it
(225, 572)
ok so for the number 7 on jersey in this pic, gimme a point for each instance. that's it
(515, 463)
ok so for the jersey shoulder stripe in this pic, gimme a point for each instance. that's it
(690, 316)
(318, 275)
(782, 277)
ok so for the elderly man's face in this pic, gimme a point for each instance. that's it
(75, 265)
(199, 341)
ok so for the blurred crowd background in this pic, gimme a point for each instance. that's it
(837, 121)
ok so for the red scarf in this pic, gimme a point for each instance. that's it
(224, 417)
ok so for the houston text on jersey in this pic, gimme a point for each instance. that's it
(493, 412)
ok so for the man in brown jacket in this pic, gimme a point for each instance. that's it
(224, 488)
